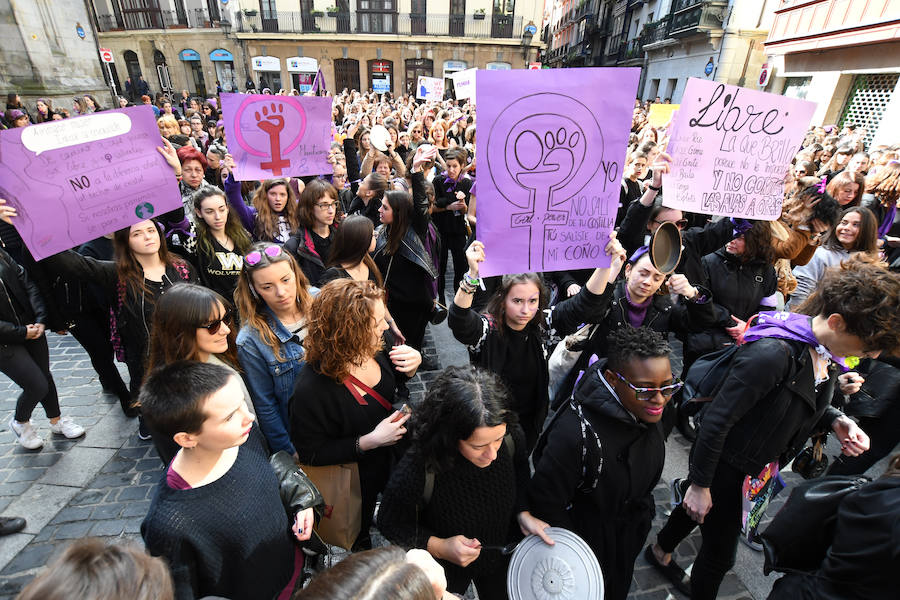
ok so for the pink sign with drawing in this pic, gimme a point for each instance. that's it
(277, 136)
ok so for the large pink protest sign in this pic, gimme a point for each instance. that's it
(732, 149)
(77, 179)
(550, 156)
(277, 136)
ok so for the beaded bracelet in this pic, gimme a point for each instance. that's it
(465, 288)
(473, 281)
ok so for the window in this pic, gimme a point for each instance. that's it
(458, 18)
(502, 18)
(269, 15)
(417, 17)
(377, 16)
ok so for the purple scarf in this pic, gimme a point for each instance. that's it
(888, 221)
(450, 183)
(635, 312)
(789, 326)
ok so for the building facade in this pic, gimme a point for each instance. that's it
(382, 45)
(49, 50)
(844, 55)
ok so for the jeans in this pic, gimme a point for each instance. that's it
(28, 365)
(720, 531)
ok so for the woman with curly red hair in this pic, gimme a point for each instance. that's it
(341, 410)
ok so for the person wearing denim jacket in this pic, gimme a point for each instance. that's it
(271, 381)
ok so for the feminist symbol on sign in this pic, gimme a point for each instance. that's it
(262, 126)
(552, 155)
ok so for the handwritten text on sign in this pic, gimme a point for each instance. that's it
(553, 160)
(732, 149)
(277, 136)
(77, 179)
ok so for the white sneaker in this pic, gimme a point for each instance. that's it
(26, 434)
(67, 427)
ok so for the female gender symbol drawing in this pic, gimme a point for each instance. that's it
(550, 145)
(262, 127)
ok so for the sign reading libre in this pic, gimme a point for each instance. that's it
(552, 158)
(74, 180)
(732, 148)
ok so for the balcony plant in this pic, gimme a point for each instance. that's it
(332, 11)
(317, 13)
(250, 12)
(478, 15)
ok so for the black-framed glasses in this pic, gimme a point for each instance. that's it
(644, 393)
(213, 327)
(680, 223)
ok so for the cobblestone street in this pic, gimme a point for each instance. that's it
(101, 484)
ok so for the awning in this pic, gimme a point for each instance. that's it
(188, 54)
(221, 55)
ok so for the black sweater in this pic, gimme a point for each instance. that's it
(480, 503)
(229, 538)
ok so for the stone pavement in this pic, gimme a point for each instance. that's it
(101, 484)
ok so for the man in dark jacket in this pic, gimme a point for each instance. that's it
(777, 392)
(598, 461)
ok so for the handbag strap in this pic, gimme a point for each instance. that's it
(352, 383)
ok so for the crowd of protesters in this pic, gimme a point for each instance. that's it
(270, 324)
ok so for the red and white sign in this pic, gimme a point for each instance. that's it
(764, 75)
(535, 66)
(106, 55)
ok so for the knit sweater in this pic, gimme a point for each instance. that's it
(467, 500)
(228, 538)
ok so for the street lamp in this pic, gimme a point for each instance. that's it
(527, 36)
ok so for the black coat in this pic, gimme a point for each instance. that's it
(613, 511)
(767, 407)
(20, 302)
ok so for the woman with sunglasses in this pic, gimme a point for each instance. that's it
(273, 303)
(310, 243)
(192, 322)
(615, 411)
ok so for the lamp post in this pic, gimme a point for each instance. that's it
(226, 26)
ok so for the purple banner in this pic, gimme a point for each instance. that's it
(550, 157)
(277, 136)
(77, 179)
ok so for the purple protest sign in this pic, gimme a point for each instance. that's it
(277, 136)
(74, 180)
(550, 160)
(732, 149)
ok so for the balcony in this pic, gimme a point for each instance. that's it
(690, 17)
(823, 24)
(382, 23)
(631, 50)
(150, 18)
(657, 31)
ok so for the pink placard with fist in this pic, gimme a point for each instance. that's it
(277, 136)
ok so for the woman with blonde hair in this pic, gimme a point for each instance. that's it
(847, 188)
(342, 407)
(273, 302)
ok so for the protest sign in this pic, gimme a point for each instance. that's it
(277, 136)
(732, 148)
(550, 161)
(464, 84)
(430, 88)
(661, 114)
(77, 179)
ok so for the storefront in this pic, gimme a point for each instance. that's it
(224, 64)
(381, 73)
(451, 67)
(303, 71)
(268, 72)
(499, 66)
(195, 79)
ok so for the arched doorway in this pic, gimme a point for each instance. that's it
(162, 72)
(133, 66)
(346, 74)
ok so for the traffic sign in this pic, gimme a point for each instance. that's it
(535, 66)
(764, 75)
(106, 55)
(709, 67)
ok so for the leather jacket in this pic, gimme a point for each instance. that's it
(20, 301)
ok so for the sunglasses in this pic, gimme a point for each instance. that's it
(213, 328)
(680, 224)
(252, 259)
(645, 394)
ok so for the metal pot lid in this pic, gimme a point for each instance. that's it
(379, 137)
(566, 571)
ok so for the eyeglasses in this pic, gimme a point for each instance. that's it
(253, 258)
(680, 224)
(213, 328)
(327, 205)
(644, 394)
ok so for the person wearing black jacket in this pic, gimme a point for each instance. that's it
(311, 242)
(25, 356)
(777, 392)
(597, 462)
(452, 190)
(509, 338)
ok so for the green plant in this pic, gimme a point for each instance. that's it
(479, 11)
